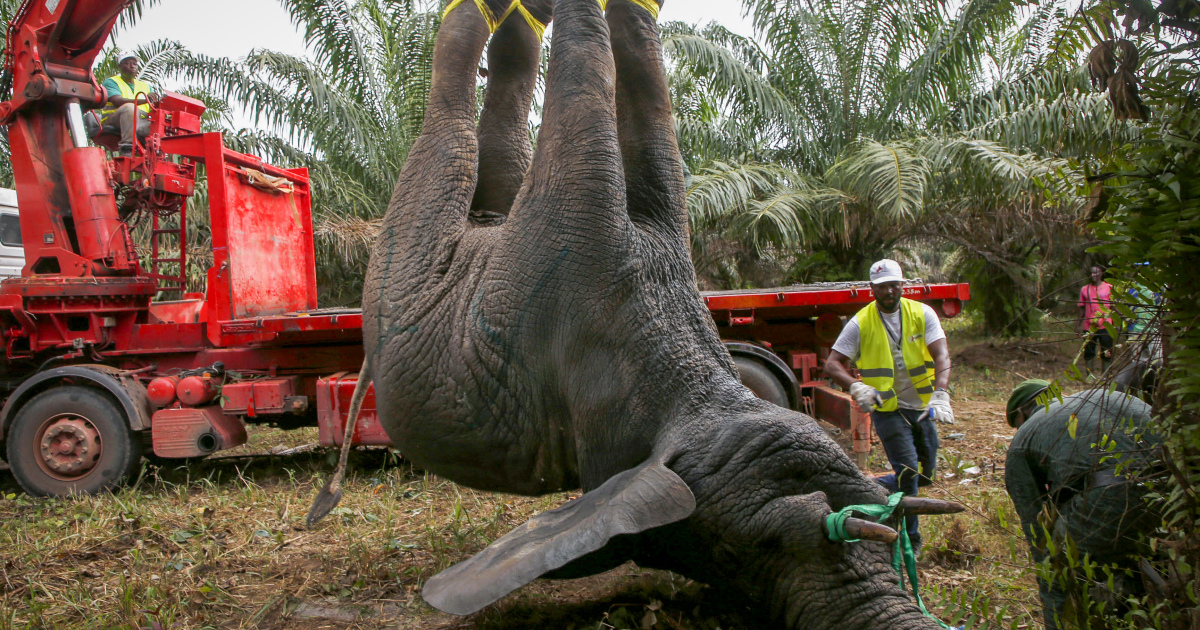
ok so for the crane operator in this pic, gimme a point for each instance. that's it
(128, 106)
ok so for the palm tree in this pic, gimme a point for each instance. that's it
(823, 103)
(349, 113)
(848, 130)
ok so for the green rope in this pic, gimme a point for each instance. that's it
(904, 562)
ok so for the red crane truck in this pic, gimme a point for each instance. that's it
(100, 369)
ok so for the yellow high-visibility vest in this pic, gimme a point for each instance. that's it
(139, 87)
(875, 365)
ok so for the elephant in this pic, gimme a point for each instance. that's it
(531, 324)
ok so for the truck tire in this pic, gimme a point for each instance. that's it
(71, 439)
(759, 379)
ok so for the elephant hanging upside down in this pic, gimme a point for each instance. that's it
(532, 325)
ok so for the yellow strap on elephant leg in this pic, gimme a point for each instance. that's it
(539, 29)
(450, 7)
(507, 12)
(492, 23)
(649, 5)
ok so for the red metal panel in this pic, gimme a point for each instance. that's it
(266, 249)
(294, 328)
(59, 287)
(305, 361)
(832, 406)
(333, 403)
(194, 432)
(260, 396)
(177, 312)
(263, 258)
(804, 364)
(164, 338)
(64, 311)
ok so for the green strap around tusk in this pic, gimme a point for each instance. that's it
(903, 559)
(835, 523)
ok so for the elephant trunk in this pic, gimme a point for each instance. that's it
(848, 610)
(872, 602)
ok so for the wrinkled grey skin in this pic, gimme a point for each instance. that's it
(533, 324)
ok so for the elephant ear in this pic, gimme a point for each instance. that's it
(633, 501)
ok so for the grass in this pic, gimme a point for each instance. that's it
(221, 543)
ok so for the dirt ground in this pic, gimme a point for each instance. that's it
(221, 543)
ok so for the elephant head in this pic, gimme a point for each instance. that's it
(532, 324)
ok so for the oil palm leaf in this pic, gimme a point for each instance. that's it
(889, 177)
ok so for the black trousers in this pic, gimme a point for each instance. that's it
(1102, 339)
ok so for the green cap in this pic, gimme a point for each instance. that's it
(1024, 393)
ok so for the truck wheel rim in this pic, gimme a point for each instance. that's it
(68, 446)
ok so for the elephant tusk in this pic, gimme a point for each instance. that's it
(910, 506)
(858, 529)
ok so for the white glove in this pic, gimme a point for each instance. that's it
(939, 407)
(865, 395)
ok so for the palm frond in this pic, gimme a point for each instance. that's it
(721, 190)
(730, 79)
(890, 177)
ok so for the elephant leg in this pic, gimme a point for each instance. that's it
(428, 210)
(505, 151)
(575, 191)
(645, 125)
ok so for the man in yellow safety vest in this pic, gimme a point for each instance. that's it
(904, 363)
(128, 107)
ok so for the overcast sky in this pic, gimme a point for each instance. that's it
(231, 28)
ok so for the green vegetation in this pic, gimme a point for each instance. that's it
(950, 137)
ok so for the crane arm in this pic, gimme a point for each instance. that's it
(69, 219)
(51, 46)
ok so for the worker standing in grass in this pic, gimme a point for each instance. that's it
(1095, 301)
(901, 353)
(128, 107)
(1080, 461)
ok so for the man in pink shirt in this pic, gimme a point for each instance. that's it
(1095, 300)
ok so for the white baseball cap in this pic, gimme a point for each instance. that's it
(122, 56)
(886, 270)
